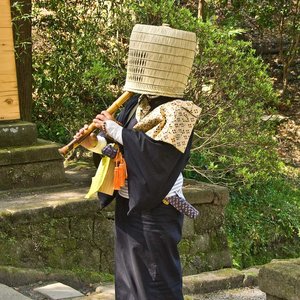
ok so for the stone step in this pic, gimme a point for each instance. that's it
(223, 279)
(214, 285)
(31, 166)
(40, 151)
(17, 133)
(233, 294)
(8, 293)
(67, 230)
(57, 291)
(108, 293)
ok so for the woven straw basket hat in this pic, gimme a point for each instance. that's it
(160, 60)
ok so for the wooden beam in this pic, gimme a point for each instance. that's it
(9, 98)
(24, 56)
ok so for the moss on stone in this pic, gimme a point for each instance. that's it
(76, 277)
(72, 233)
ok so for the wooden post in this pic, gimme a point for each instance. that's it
(23, 43)
(9, 99)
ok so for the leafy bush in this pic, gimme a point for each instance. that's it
(78, 64)
(79, 67)
(233, 145)
(273, 20)
(263, 223)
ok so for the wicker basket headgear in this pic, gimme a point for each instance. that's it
(160, 60)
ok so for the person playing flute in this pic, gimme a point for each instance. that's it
(154, 135)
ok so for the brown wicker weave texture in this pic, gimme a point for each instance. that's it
(160, 60)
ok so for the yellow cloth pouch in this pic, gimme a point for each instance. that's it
(103, 179)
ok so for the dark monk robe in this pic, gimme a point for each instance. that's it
(148, 231)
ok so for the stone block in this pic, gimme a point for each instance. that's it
(205, 261)
(281, 279)
(103, 232)
(201, 243)
(83, 207)
(207, 282)
(188, 228)
(34, 174)
(55, 227)
(31, 165)
(13, 276)
(65, 254)
(88, 257)
(17, 133)
(40, 151)
(218, 240)
(251, 277)
(219, 259)
(11, 294)
(210, 217)
(197, 192)
(58, 291)
(28, 215)
(81, 228)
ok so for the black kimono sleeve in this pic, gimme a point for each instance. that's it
(153, 168)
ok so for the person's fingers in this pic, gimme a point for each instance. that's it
(98, 123)
(99, 116)
(107, 115)
(81, 131)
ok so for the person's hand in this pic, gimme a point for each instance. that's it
(101, 118)
(90, 141)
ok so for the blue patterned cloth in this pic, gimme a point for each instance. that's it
(183, 206)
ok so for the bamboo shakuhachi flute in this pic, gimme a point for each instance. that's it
(76, 142)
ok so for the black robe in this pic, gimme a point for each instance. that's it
(147, 262)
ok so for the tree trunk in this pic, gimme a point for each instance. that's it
(201, 9)
(23, 44)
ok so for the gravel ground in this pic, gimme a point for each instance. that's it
(234, 294)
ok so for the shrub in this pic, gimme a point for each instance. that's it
(79, 67)
(78, 64)
(233, 145)
(263, 223)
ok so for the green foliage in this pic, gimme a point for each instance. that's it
(158, 12)
(79, 66)
(78, 63)
(232, 144)
(263, 223)
(272, 19)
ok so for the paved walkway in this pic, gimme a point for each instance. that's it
(231, 284)
(108, 293)
(235, 294)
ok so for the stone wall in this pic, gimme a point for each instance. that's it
(204, 244)
(71, 233)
